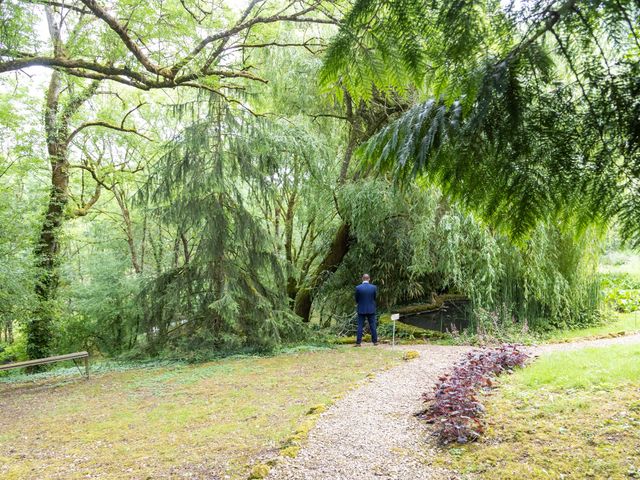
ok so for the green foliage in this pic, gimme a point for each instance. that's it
(624, 301)
(357, 57)
(106, 311)
(216, 209)
(20, 201)
(225, 294)
(524, 118)
(14, 352)
(621, 291)
(16, 28)
(416, 244)
(624, 281)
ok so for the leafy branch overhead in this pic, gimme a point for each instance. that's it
(527, 111)
(151, 46)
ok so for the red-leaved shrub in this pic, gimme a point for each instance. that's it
(454, 407)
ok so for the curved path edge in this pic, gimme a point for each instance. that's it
(372, 432)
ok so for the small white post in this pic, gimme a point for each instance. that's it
(394, 318)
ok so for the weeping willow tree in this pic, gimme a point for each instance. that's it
(525, 112)
(416, 243)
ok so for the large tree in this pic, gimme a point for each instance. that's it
(64, 99)
(155, 44)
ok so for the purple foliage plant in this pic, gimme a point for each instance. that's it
(454, 406)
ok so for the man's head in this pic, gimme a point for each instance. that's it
(365, 277)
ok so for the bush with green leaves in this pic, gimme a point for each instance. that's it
(621, 291)
(625, 301)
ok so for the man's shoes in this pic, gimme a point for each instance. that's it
(375, 344)
(357, 345)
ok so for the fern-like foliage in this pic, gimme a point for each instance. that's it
(225, 289)
(528, 113)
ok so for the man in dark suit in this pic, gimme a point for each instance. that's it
(366, 301)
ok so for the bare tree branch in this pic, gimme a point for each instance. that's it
(50, 3)
(84, 208)
(150, 74)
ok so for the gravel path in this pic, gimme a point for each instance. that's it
(603, 342)
(372, 433)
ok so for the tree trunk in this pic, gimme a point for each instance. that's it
(292, 284)
(355, 135)
(330, 263)
(47, 250)
(128, 228)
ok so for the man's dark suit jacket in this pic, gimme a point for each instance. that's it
(366, 298)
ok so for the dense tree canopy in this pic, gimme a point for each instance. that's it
(524, 110)
(183, 177)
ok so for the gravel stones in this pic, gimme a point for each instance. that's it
(372, 432)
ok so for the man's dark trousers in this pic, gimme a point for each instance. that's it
(371, 318)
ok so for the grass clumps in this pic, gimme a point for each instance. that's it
(572, 415)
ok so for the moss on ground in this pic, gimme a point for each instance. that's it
(405, 333)
(317, 409)
(259, 471)
(208, 420)
(290, 451)
(568, 416)
(410, 355)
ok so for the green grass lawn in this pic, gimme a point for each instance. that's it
(573, 415)
(199, 421)
(620, 322)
